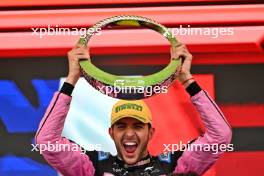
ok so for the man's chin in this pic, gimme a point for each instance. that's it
(130, 161)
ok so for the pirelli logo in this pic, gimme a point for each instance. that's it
(128, 106)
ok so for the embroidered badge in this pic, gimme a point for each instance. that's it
(103, 155)
(165, 157)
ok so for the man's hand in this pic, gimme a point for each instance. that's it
(77, 53)
(182, 52)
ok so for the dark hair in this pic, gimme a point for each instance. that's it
(149, 125)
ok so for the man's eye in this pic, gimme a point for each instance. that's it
(139, 126)
(121, 126)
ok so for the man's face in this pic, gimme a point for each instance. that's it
(131, 138)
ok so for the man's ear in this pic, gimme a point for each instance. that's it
(111, 132)
(151, 132)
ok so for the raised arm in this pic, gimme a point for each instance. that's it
(217, 130)
(70, 161)
(218, 133)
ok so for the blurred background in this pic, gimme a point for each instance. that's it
(228, 52)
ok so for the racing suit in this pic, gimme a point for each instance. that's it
(75, 163)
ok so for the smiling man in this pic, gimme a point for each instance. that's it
(131, 130)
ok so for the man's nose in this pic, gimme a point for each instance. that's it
(130, 132)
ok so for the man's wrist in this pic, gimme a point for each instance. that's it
(188, 82)
(72, 79)
(186, 79)
(67, 88)
(193, 88)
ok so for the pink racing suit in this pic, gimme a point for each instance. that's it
(74, 163)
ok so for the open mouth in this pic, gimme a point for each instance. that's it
(130, 147)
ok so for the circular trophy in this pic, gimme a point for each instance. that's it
(128, 87)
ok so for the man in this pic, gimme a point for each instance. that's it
(131, 129)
